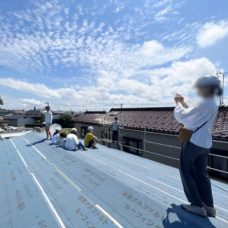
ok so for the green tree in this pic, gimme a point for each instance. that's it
(66, 120)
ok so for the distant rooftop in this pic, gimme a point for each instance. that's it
(142, 109)
(14, 116)
(157, 119)
(4, 110)
(95, 112)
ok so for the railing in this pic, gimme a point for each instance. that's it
(108, 140)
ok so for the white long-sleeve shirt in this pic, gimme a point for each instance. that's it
(48, 117)
(71, 142)
(193, 117)
(55, 138)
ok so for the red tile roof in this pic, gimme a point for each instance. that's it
(152, 119)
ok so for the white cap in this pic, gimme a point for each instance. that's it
(74, 129)
(208, 80)
(58, 129)
(90, 128)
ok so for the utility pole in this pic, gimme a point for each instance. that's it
(222, 74)
(1, 101)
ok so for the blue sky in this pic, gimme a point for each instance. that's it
(94, 54)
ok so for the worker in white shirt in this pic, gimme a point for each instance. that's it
(48, 121)
(72, 142)
(56, 136)
(115, 130)
(194, 154)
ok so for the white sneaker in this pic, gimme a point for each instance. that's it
(201, 211)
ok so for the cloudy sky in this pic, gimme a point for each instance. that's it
(96, 54)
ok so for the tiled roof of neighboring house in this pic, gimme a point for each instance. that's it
(34, 113)
(14, 116)
(19, 112)
(152, 119)
(95, 112)
(220, 128)
(102, 119)
(5, 111)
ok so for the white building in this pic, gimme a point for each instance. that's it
(17, 120)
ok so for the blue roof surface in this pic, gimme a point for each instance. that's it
(46, 186)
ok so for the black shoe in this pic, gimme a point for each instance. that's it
(211, 211)
(201, 211)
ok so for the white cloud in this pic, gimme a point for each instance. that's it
(180, 76)
(212, 32)
(117, 57)
(31, 101)
(162, 14)
(46, 36)
(152, 48)
(166, 9)
(36, 89)
(161, 86)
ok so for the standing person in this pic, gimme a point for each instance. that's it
(72, 142)
(90, 139)
(115, 130)
(194, 153)
(48, 117)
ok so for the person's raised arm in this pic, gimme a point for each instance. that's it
(184, 104)
(180, 99)
(190, 115)
(51, 116)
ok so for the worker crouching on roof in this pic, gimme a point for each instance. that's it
(90, 139)
(72, 142)
(198, 121)
(56, 136)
